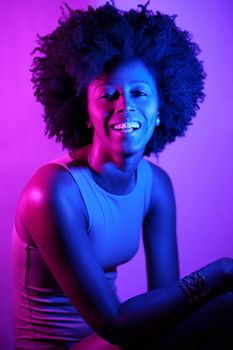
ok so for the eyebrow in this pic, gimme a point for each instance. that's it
(109, 83)
(140, 82)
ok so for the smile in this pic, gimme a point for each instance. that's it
(126, 127)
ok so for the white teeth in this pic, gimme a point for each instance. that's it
(127, 126)
(126, 130)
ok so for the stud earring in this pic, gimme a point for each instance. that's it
(157, 121)
(88, 124)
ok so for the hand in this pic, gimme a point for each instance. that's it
(219, 275)
(227, 268)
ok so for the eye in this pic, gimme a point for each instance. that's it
(109, 95)
(138, 93)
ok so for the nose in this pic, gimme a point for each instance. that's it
(124, 103)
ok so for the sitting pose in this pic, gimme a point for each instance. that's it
(116, 86)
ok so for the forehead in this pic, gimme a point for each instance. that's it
(126, 73)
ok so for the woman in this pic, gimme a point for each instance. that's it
(115, 86)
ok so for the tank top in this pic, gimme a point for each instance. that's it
(43, 316)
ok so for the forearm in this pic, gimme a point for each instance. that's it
(157, 311)
(152, 312)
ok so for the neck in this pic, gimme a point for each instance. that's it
(100, 160)
(115, 173)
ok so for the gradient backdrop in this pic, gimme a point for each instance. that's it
(200, 164)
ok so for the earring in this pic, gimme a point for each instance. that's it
(88, 124)
(157, 121)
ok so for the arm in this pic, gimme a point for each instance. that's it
(52, 210)
(159, 233)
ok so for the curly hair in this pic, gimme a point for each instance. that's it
(84, 43)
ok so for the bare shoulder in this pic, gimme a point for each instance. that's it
(48, 180)
(51, 183)
(54, 178)
(162, 188)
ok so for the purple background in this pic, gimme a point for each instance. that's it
(200, 164)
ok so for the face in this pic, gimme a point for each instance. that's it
(123, 106)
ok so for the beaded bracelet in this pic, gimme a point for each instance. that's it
(194, 288)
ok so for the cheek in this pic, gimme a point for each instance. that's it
(99, 110)
(98, 114)
(94, 111)
(93, 106)
(151, 109)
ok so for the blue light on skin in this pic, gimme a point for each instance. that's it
(125, 94)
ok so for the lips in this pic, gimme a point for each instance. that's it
(126, 127)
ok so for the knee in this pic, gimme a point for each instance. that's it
(223, 307)
(229, 298)
(225, 301)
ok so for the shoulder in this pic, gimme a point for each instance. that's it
(51, 184)
(162, 192)
(159, 174)
(48, 178)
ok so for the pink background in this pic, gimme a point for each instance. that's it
(200, 165)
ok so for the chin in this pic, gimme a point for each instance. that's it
(130, 151)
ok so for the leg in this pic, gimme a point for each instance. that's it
(209, 328)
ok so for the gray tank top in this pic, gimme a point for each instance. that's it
(44, 318)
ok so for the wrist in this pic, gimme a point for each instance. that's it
(195, 288)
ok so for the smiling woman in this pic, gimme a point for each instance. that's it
(122, 106)
(115, 86)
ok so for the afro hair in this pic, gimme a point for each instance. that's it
(84, 43)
